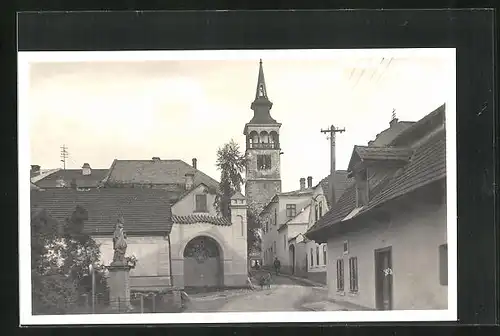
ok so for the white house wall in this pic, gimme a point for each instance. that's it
(414, 236)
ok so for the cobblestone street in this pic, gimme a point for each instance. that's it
(285, 294)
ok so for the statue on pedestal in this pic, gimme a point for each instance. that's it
(119, 242)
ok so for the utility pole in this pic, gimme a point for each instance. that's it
(64, 155)
(331, 185)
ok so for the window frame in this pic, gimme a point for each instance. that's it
(291, 210)
(345, 247)
(312, 258)
(264, 162)
(340, 275)
(317, 255)
(324, 254)
(353, 275)
(197, 197)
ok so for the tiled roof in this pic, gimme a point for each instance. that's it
(304, 192)
(82, 181)
(144, 210)
(427, 165)
(159, 172)
(379, 153)
(385, 137)
(42, 174)
(342, 181)
(201, 218)
(299, 192)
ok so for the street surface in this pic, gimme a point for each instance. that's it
(285, 294)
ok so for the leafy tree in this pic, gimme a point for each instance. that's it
(231, 163)
(60, 257)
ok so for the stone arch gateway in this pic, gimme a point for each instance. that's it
(203, 263)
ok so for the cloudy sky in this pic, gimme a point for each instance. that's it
(181, 109)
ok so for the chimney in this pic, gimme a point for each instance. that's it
(393, 122)
(189, 180)
(194, 163)
(35, 169)
(302, 183)
(309, 182)
(156, 158)
(86, 169)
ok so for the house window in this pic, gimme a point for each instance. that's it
(274, 247)
(346, 247)
(275, 216)
(320, 210)
(443, 265)
(312, 259)
(317, 255)
(263, 162)
(353, 274)
(340, 275)
(324, 254)
(316, 215)
(201, 203)
(291, 210)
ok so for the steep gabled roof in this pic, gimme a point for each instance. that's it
(146, 211)
(427, 165)
(67, 175)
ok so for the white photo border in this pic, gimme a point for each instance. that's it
(25, 59)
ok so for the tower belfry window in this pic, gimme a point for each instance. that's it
(261, 90)
(263, 162)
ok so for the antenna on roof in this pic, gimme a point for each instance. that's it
(64, 155)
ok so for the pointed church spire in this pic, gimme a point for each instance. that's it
(261, 105)
(261, 92)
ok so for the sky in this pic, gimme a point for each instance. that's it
(187, 108)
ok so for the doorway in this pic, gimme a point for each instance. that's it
(203, 264)
(292, 258)
(383, 279)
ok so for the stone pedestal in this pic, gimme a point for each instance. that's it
(119, 287)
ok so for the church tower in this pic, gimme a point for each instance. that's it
(263, 150)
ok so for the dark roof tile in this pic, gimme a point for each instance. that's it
(83, 181)
(155, 172)
(201, 218)
(144, 210)
(427, 165)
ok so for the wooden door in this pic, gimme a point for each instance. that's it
(202, 264)
(383, 278)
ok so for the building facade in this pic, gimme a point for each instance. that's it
(172, 225)
(263, 151)
(386, 235)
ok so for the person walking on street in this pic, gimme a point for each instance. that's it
(277, 265)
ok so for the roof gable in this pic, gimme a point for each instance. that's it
(427, 165)
(144, 210)
(372, 153)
